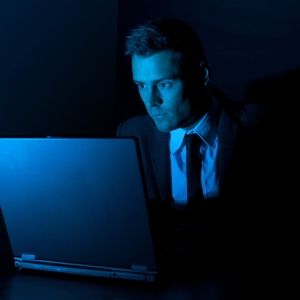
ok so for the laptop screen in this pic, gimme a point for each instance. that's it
(75, 200)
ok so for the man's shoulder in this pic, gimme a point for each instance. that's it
(254, 114)
(239, 109)
(248, 113)
(144, 119)
(135, 126)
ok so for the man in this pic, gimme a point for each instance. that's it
(172, 74)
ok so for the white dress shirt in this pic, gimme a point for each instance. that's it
(207, 130)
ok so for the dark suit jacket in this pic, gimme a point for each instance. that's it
(243, 138)
(244, 168)
(250, 209)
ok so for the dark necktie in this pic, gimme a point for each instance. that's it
(193, 168)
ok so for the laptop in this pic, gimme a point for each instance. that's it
(76, 206)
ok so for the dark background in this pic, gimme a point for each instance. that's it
(57, 67)
(246, 43)
(63, 72)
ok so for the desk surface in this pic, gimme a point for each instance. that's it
(37, 286)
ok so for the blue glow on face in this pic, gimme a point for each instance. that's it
(162, 91)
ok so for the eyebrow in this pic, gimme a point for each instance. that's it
(160, 79)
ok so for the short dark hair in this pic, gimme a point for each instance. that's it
(171, 35)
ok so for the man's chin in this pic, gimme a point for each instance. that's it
(163, 127)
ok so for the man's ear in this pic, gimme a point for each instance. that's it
(205, 71)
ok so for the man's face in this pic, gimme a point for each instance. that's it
(162, 91)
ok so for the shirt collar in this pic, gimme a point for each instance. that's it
(206, 128)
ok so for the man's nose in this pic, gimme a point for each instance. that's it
(153, 97)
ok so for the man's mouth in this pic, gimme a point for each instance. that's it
(158, 116)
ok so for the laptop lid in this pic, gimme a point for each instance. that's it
(76, 205)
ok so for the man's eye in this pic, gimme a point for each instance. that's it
(140, 85)
(165, 84)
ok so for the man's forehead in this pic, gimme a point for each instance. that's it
(166, 56)
(155, 67)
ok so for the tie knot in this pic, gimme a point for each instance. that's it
(192, 141)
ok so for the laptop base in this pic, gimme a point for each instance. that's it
(86, 270)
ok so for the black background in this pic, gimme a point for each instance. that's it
(63, 72)
(57, 67)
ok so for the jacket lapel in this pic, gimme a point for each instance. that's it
(158, 143)
(228, 134)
